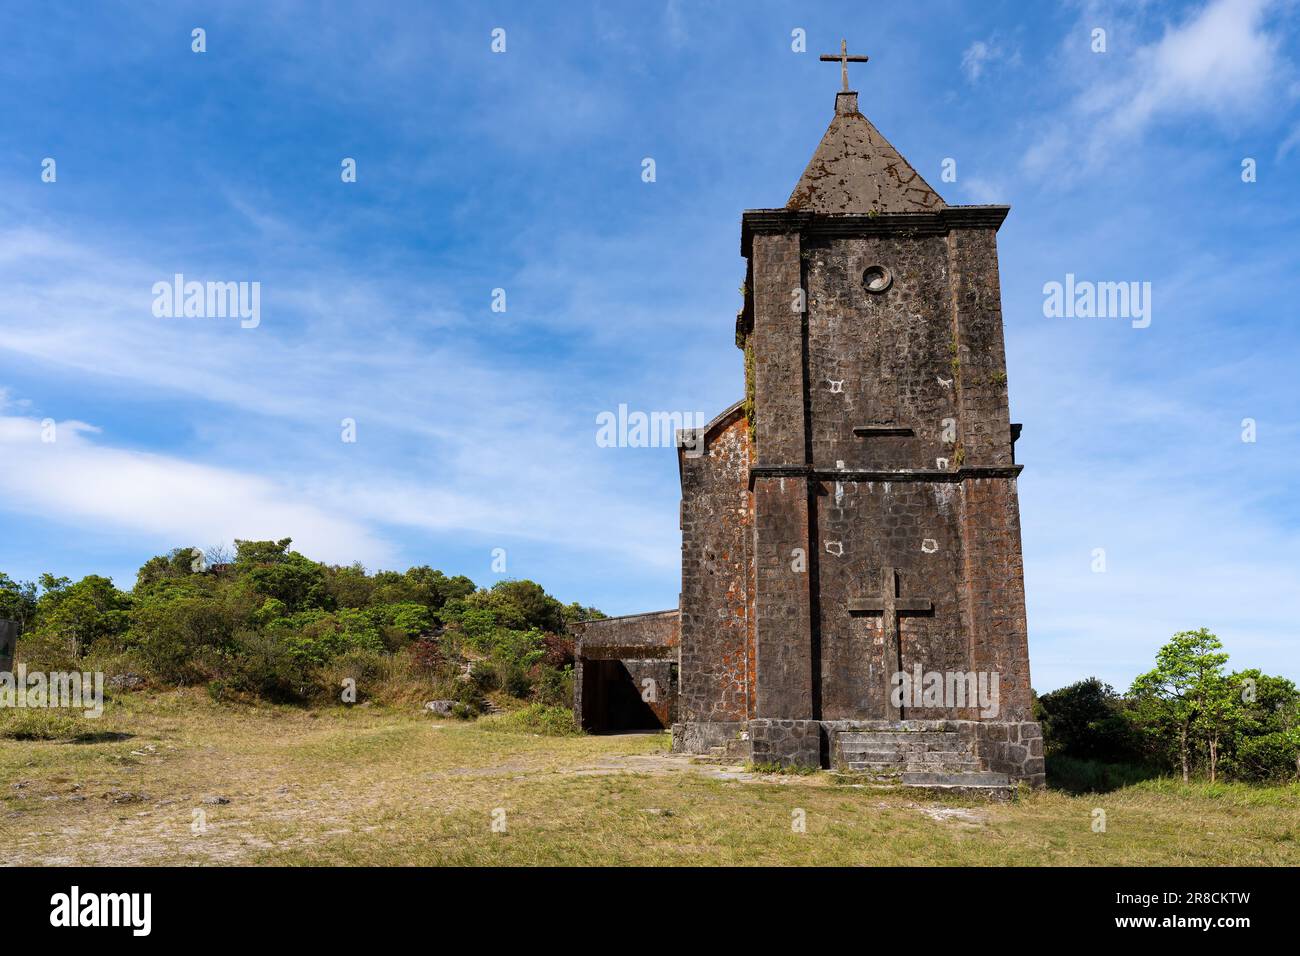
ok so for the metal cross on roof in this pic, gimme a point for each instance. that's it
(844, 61)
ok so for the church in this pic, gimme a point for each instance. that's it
(852, 585)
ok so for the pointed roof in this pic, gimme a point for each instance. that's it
(856, 171)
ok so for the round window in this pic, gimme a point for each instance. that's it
(877, 279)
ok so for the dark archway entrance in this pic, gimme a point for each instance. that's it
(612, 699)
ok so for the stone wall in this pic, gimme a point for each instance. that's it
(995, 590)
(647, 647)
(883, 448)
(785, 683)
(8, 644)
(1013, 748)
(628, 635)
(880, 359)
(866, 528)
(702, 736)
(785, 743)
(717, 632)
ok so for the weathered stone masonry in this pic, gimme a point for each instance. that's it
(626, 676)
(862, 520)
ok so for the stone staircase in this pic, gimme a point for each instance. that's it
(914, 756)
(734, 752)
(939, 755)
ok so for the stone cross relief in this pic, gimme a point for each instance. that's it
(890, 607)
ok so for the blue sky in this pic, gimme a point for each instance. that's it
(522, 171)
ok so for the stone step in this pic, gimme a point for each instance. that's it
(884, 740)
(894, 726)
(890, 767)
(878, 771)
(942, 757)
(739, 749)
(884, 732)
(975, 778)
(889, 753)
(728, 754)
(716, 755)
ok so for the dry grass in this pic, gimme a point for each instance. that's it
(369, 786)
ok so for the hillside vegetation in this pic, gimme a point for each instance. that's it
(268, 624)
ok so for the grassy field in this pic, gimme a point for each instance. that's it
(368, 786)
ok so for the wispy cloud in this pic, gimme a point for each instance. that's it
(59, 471)
(1221, 62)
(977, 57)
(521, 170)
(467, 440)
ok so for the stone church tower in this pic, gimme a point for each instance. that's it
(852, 587)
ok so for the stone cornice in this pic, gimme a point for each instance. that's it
(913, 475)
(938, 223)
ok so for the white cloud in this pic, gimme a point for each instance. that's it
(1220, 62)
(678, 34)
(73, 480)
(978, 56)
(1136, 448)
(985, 191)
(1288, 145)
(454, 436)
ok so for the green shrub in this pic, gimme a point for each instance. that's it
(112, 662)
(1266, 758)
(1074, 775)
(175, 639)
(50, 724)
(409, 618)
(260, 665)
(368, 669)
(317, 637)
(463, 711)
(553, 687)
(483, 675)
(44, 651)
(276, 572)
(267, 622)
(513, 679)
(535, 719)
(1087, 721)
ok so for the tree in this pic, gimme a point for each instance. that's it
(175, 632)
(576, 612)
(349, 586)
(1219, 716)
(1086, 720)
(421, 584)
(1265, 744)
(83, 612)
(17, 600)
(524, 605)
(1179, 691)
(176, 564)
(276, 572)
